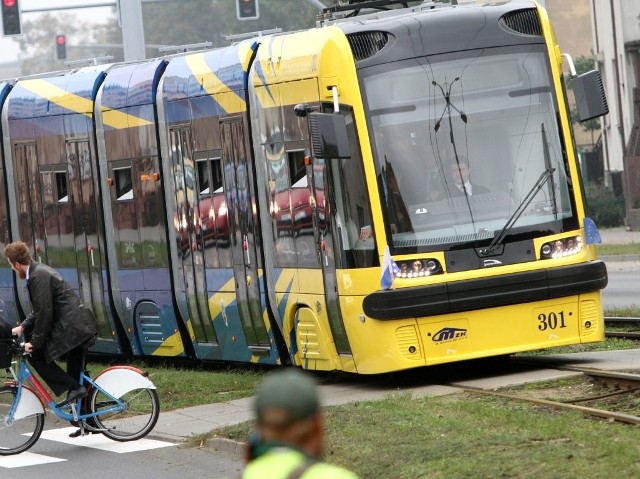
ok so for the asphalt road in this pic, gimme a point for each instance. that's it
(56, 456)
(623, 289)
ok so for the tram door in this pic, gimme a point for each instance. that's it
(56, 212)
(238, 187)
(30, 229)
(29, 209)
(326, 229)
(187, 221)
(84, 216)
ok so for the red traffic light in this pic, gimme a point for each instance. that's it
(247, 9)
(11, 24)
(61, 47)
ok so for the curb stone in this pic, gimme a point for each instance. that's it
(620, 257)
(221, 444)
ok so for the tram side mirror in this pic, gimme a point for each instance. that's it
(591, 101)
(329, 137)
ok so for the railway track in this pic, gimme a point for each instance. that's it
(624, 387)
(620, 321)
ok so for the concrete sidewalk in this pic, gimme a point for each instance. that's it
(620, 236)
(183, 424)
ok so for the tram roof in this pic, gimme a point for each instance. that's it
(428, 29)
(209, 72)
(69, 93)
(132, 84)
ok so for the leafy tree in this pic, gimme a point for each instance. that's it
(603, 206)
(589, 125)
(584, 64)
(38, 39)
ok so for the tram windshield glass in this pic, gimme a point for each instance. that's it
(485, 119)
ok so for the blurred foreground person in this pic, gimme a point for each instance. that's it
(289, 431)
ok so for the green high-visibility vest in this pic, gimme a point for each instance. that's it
(281, 462)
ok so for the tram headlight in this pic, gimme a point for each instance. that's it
(417, 268)
(561, 247)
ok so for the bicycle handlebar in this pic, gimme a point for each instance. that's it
(14, 345)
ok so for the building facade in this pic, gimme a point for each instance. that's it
(616, 45)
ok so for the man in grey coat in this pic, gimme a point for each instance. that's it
(58, 324)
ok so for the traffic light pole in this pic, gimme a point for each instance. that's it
(130, 20)
(318, 4)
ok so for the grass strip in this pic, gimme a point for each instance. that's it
(469, 436)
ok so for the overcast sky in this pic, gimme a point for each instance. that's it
(9, 50)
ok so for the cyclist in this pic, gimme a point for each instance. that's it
(289, 433)
(59, 324)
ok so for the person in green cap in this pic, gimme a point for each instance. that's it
(289, 431)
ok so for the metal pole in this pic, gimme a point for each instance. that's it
(112, 3)
(318, 4)
(130, 19)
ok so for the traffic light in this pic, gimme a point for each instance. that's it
(61, 47)
(247, 9)
(11, 18)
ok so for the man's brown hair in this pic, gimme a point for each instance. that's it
(17, 252)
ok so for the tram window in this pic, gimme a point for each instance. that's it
(216, 174)
(62, 191)
(204, 178)
(210, 176)
(124, 184)
(350, 199)
(297, 169)
(54, 187)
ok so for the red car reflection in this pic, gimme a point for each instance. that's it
(208, 221)
(291, 221)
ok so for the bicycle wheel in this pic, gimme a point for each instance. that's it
(22, 433)
(135, 421)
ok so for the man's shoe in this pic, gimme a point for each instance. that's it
(78, 432)
(73, 395)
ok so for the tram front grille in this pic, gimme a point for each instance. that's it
(523, 21)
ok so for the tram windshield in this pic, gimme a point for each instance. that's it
(465, 143)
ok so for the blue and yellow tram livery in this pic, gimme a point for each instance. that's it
(52, 185)
(387, 191)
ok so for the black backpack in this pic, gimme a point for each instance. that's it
(5, 343)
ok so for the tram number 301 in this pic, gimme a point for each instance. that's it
(551, 321)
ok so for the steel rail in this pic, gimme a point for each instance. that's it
(621, 319)
(620, 417)
(587, 371)
(622, 334)
(602, 396)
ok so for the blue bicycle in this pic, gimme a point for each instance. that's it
(121, 403)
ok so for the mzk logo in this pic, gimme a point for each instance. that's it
(449, 334)
(491, 262)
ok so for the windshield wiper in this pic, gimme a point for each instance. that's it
(547, 162)
(546, 174)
